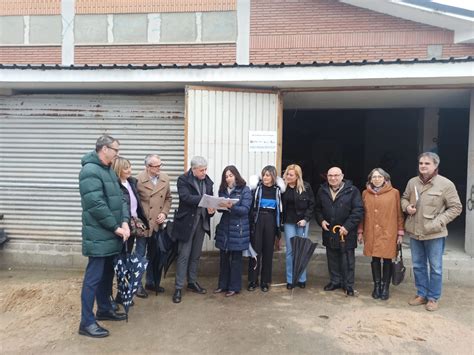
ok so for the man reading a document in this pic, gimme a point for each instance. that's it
(191, 223)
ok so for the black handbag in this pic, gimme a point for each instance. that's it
(398, 269)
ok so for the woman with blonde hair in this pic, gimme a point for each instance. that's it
(298, 207)
(128, 185)
(381, 228)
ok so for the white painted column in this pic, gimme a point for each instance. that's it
(67, 45)
(243, 32)
(469, 236)
(430, 129)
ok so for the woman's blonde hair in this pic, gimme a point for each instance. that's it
(120, 164)
(299, 176)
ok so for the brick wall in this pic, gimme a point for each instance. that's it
(159, 54)
(30, 55)
(322, 30)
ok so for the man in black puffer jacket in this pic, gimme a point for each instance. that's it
(105, 219)
(339, 209)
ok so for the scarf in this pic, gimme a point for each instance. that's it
(426, 180)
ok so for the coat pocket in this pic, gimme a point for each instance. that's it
(432, 224)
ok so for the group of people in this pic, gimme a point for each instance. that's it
(114, 204)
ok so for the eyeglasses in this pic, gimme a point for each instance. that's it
(155, 166)
(114, 149)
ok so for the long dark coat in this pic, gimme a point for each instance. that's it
(189, 198)
(346, 210)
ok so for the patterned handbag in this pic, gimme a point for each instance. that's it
(137, 228)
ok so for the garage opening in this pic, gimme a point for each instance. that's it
(360, 140)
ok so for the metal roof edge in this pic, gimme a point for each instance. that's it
(234, 65)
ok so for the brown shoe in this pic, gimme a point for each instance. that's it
(431, 306)
(417, 301)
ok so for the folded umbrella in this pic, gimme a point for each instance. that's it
(129, 269)
(165, 251)
(302, 250)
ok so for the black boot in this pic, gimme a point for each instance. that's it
(376, 275)
(387, 275)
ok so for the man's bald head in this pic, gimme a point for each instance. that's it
(335, 177)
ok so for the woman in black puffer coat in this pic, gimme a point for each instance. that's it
(233, 231)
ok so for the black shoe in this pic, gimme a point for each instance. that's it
(349, 291)
(302, 284)
(264, 287)
(177, 296)
(141, 292)
(151, 287)
(195, 287)
(110, 315)
(289, 286)
(252, 286)
(94, 331)
(331, 287)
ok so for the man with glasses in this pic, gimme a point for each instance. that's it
(105, 219)
(339, 209)
(154, 190)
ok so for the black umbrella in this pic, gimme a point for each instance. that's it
(163, 251)
(302, 250)
(129, 269)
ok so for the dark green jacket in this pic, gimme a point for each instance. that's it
(103, 207)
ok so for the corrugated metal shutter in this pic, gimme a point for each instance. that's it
(43, 138)
(218, 125)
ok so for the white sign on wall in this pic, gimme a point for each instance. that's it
(262, 141)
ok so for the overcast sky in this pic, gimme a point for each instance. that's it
(466, 4)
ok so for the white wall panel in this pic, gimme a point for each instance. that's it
(219, 121)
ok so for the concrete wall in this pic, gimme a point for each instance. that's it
(130, 28)
(45, 29)
(219, 26)
(11, 29)
(178, 27)
(469, 236)
(90, 29)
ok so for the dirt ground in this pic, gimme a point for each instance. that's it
(39, 313)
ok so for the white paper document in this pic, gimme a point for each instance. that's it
(209, 201)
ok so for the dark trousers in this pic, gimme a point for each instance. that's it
(230, 273)
(263, 241)
(341, 266)
(97, 285)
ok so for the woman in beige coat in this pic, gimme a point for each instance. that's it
(381, 229)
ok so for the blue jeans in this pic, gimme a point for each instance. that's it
(424, 252)
(291, 230)
(97, 286)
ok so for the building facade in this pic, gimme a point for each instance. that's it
(318, 82)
